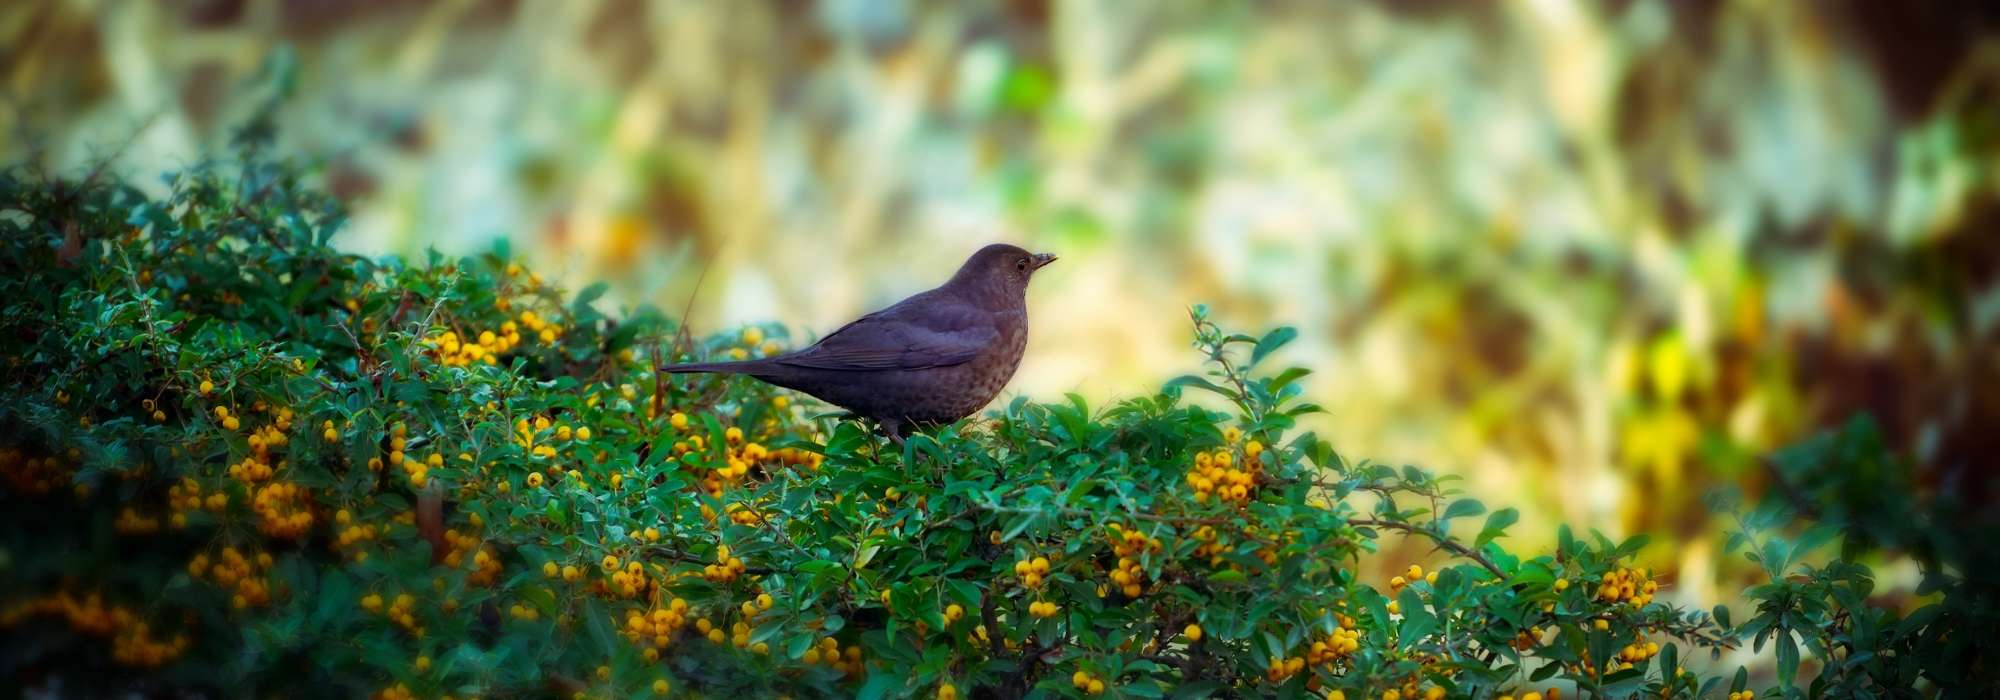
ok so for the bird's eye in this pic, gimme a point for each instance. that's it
(1021, 264)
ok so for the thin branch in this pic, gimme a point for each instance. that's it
(1442, 540)
(1792, 493)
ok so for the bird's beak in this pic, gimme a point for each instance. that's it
(1043, 259)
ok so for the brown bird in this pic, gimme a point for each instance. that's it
(933, 358)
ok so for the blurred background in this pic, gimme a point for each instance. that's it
(1596, 258)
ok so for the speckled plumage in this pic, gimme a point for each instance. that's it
(933, 358)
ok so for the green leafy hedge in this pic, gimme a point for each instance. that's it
(241, 462)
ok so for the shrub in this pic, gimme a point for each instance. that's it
(241, 462)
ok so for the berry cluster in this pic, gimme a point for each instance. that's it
(1127, 545)
(284, 510)
(1086, 682)
(829, 652)
(1627, 585)
(353, 536)
(244, 577)
(402, 611)
(131, 523)
(133, 642)
(31, 475)
(725, 569)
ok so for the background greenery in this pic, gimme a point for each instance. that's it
(1595, 259)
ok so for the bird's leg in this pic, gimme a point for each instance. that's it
(893, 427)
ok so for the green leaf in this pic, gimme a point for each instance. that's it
(1287, 377)
(1623, 683)
(1197, 690)
(1464, 507)
(1196, 381)
(879, 685)
(588, 295)
(598, 622)
(1021, 522)
(1669, 660)
(1270, 343)
(1227, 576)
(1497, 523)
(1788, 658)
(1418, 621)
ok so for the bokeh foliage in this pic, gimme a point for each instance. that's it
(243, 461)
(1594, 256)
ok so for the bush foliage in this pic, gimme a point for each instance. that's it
(241, 462)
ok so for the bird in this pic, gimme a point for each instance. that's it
(931, 359)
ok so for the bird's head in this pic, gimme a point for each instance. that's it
(1000, 271)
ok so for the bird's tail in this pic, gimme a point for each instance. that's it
(743, 367)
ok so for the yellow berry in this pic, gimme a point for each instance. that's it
(660, 687)
(1193, 633)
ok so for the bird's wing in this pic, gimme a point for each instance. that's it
(921, 332)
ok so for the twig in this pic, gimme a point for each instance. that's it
(1080, 513)
(685, 558)
(1442, 540)
(1791, 492)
